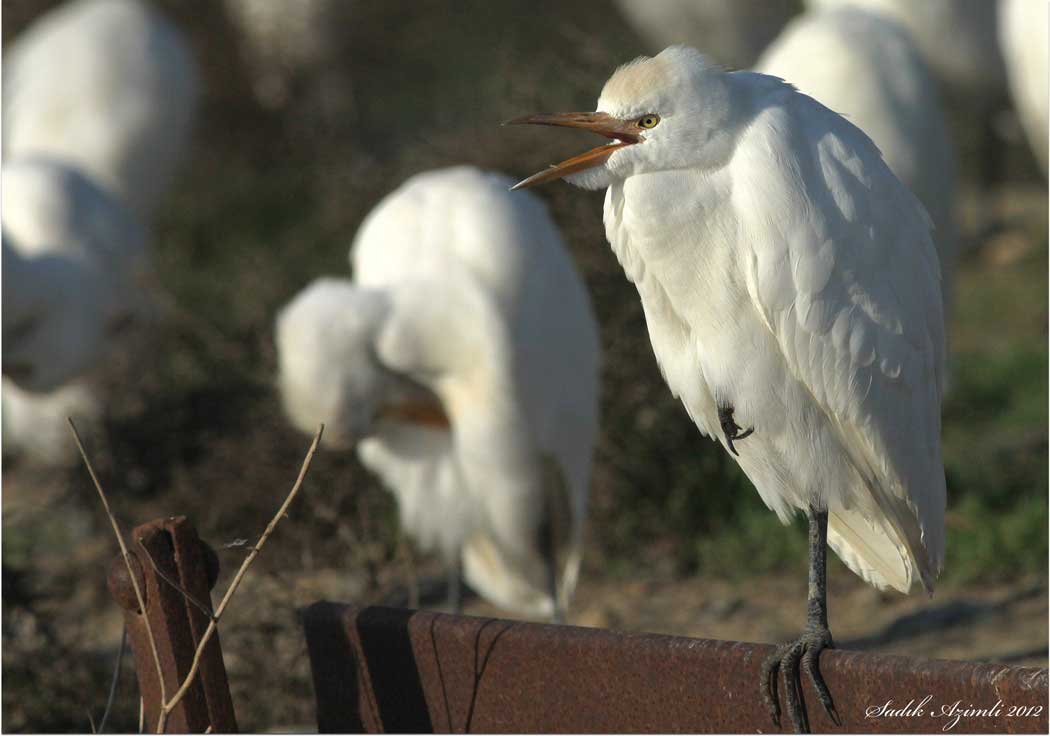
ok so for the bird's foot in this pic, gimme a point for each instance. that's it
(730, 428)
(791, 660)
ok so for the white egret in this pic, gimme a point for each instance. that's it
(957, 38)
(791, 292)
(71, 258)
(463, 360)
(733, 32)
(1023, 36)
(880, 83)
(108, 86)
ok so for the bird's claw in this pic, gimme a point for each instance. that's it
(791, 660)
(731, 429)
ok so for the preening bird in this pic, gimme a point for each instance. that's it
(881, 84)
(108, 86)
(733, 32)
(792, 296)
(71, 257)
(1023, 37)
(463, 362)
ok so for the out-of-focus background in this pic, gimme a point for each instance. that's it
(276, 181)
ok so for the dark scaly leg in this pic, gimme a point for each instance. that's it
(804, 652)
(730, 427)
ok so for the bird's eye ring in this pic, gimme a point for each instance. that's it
(648, 121)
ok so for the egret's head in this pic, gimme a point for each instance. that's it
(671, 111)
(327, 368)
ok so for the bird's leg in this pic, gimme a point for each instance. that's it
(558, 616)
(455, 587)
(786, 660)
(404, 548)
(730, 427)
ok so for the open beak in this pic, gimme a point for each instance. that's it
(624, 134)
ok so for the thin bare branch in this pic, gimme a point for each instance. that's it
(235, 583)
(124, 553)
(203, 607)
(113, 683)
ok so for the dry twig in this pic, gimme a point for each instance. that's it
(123, 552)
(169, 705)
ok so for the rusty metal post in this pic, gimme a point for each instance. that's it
(390, 670)
(177, 623)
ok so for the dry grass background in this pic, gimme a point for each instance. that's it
(268, 202)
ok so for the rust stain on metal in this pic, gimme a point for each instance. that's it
(383, 670)
(177, 625)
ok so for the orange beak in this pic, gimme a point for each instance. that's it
(623, 132)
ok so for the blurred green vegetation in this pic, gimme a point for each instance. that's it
(267, 203)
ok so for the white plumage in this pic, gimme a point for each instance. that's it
(957, 38)
(1023, 36)
(69, 263)
(733, 32)
(792, 295)
(880, 83)
(787, 273)
(464, 304)
(98, 101)
(108, 86)
(71, 257)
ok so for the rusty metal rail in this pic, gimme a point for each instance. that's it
(178, 624)
(390, 670)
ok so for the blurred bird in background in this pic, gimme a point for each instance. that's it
(293, 51)
(1023, 36)
(959, 41)
(880, 83)
(792, 296)
(69, 255)
(463, 362)
(732, 32)
(98, 102)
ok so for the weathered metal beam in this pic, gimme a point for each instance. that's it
(178, 624)
(384, 670)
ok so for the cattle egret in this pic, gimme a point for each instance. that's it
(1023, 35)
(880, 83)
(791, 292)
(734, 32)
(108, 86)
(463, 361)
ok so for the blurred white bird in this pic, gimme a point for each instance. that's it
(733, 32)
(957, 38)
(292, 45)
(1023, 36)
(71, 254)
(791, 291)
(98, 101)
(463, 359)
(108, 86)
(880, 83)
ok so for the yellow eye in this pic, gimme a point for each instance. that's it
(649, 121)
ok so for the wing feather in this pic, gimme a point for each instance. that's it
(848, 282)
